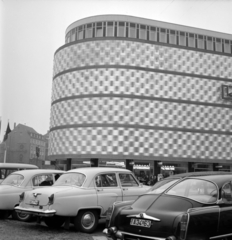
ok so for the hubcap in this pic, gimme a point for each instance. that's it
(88, 220)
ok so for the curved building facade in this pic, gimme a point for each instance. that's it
(131, 88)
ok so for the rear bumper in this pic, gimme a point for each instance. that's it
(123, 234)
(37, 212)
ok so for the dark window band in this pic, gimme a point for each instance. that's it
(141, 98)
(141, 127)
(142, 69)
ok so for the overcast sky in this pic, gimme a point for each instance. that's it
(32, 30)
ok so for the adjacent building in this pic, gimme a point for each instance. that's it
(24, 145)
(142, 93)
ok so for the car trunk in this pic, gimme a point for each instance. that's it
(163, 209)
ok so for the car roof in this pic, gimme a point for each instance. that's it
(95, 170)
(37, 171)
(192, 174)
(18, 165)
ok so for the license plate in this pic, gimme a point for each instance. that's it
(140, 222)
(34, 202)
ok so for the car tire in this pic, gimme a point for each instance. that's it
(86, 221)
(21, 216)
(54, 221)
(4, 214)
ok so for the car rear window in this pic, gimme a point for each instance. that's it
(13, 180)
(74, 179)
(161, 186)
(197, 189)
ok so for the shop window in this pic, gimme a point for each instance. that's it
(132, 30)
(218, 45)
(110, 29)
(142, 32)
(209, 44)
(80, 33)
(121, 29)
(89, 31)
(99, 29)
(200, 42)
(172, 37)
(73, 35)
(182, 39)
(227, 46)
(163, 35)
(191, 40)
(152, 34)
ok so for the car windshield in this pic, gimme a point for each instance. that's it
(13, 180)
(197, 189)
(161, 186)
(75, 179)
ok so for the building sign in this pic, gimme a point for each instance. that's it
(138, 165)
(172, 168)
(226, 91)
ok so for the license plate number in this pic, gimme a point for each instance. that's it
(140, 222)
(34, 202)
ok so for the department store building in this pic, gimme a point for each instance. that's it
(144, 94)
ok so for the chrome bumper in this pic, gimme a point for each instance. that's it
(37, 212)
(106, 232)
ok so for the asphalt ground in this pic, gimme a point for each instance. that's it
(15, 230)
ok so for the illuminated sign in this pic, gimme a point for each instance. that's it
(142, 166)
(172, 168)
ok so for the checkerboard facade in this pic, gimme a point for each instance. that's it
(126, 98)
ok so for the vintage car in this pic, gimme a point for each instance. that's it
(21, 181)
(8, 168)
(81, 196)
(195, 207)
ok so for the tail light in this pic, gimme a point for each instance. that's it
(51, 199)
(21, 197)
(184, 226)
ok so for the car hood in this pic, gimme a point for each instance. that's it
(160, 210)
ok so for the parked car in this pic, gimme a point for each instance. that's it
(8, 168)
(81, 196)
(21, 181)
(195, 207)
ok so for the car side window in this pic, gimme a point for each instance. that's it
(227, 193)
(42, 180)
(106, 180)
(127, 180)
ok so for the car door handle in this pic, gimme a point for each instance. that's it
(125, 189)
(99, 190)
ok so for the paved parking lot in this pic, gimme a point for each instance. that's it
(15, 230)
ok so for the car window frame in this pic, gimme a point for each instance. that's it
(105, 174)
(187, 178)
(138, 183)
(230, 202)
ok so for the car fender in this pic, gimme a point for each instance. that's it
(203, 222)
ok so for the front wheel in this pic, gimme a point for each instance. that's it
(54, 221)
(21, 216)
(86, 221)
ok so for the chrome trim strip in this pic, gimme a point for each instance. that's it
(145, 216)
(221, 236)
(141, 236)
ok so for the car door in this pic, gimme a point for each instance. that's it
(108, 190)
(131, 189)
(225, 221)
